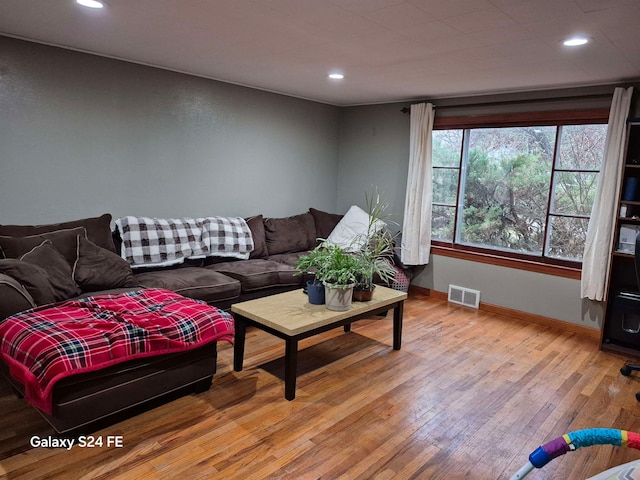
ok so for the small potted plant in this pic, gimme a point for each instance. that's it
(376, 260)
(375, 254)
(308, 265)
(337, 269)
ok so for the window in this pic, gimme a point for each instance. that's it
(522, 191)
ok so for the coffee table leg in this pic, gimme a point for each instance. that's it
(290, 368)
(238, 342)
(397, 326)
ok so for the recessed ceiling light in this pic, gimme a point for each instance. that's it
(90, 3)
(576, 41)
(336, 76)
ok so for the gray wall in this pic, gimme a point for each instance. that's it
(374, 149)
(81, 135)
(374, 152)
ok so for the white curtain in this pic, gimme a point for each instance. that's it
(416, 230)
(598, 245)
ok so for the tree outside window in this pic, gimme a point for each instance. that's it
(526, 190)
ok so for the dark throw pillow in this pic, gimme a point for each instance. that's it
(256, 225)
(58, 269)
(290, 234)
(325, 222)
(32, 277)
(63, 240)
(99, 269)
(98, 230)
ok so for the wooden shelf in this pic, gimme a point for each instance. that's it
(622, 271)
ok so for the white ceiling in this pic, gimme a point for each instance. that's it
(389, 50)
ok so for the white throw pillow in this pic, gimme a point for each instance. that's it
(351, 231)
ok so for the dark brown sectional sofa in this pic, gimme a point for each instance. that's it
(83, 402)
(219, 281)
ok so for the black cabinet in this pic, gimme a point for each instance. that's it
(621, 331)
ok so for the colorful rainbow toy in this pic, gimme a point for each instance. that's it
(574, 440)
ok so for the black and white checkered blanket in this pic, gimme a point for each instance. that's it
(157, 241)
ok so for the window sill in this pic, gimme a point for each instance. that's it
(519, 264)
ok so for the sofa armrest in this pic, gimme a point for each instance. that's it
(14, 297)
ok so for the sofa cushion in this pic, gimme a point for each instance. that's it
(97, 268)
(98, 230)
(58, 269)
(256, 225)
(193, 282)
(325, 222)
(288, 258)
(30, 276)
(290, 234)
(15, 297)
(258, 274)
(63, 240)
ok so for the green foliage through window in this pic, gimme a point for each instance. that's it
(527, 189)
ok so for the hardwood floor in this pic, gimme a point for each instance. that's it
(469, 395)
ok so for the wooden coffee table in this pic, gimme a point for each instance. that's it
(291, 317)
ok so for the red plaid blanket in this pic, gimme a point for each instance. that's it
(43, 345)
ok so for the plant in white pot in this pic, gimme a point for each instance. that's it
(337, 269)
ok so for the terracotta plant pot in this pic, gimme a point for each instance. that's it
(363, 295)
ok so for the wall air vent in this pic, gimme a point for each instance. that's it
(464, 296)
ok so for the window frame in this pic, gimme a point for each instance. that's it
(543, 264)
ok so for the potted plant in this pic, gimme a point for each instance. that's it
(308, 265)
(337, 269)
(352, 267)
(375, 255)
(376, 260)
